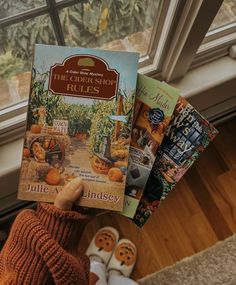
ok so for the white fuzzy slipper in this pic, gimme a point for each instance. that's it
(123, 258)
(103, 244)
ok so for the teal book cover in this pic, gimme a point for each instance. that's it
(79, 123)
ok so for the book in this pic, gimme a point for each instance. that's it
(154, 106)
(187, 136)
(79, 123)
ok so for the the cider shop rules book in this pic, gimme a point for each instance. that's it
(79, 123)
(154, 106)
(187, 136)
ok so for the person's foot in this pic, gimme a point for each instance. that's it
(123, 258)
(103, 244)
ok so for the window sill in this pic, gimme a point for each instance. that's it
(211, 88)
(10, 156)
(10, 160)
(206, 77)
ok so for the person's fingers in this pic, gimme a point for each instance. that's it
(69, 194)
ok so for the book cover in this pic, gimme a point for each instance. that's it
(187, 135)
(154, 106)
(79, 123)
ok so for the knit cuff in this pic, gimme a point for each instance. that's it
(65, 227)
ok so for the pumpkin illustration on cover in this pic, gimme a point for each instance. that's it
(99, 165)
(126, 253)
(115, 174)
(105, 240)
(35, 129)
(53, 177)
(26, 152)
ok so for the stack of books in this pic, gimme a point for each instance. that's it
(129, 137)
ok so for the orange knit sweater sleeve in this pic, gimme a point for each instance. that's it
(42, 249)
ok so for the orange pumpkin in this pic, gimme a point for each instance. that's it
(53, 177)
(126, 253)
(120, 163)
(35, 129)
(115, 174)
(99, 165)
(26, 152)
(105, 240)
(120, 153)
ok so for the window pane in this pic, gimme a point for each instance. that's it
(16, 50)
(115, 25)
(12, 7)
(221, 34)
(225, 16)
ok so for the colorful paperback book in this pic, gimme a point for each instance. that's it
(187, 135)
(79, 124)
(154, 106)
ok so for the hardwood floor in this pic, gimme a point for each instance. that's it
(199, 211)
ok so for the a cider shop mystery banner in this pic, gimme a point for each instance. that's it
(79, 124)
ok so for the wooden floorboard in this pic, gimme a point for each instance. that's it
(199, 211)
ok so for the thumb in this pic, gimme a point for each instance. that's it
(70, 193)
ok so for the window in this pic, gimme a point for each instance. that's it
(220, 36)
(166, 33)
(225, 17)
(115, 25)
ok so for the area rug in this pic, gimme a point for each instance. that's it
(215, 265)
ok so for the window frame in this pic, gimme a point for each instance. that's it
(12, 118)
(12, 122)
(193, 25)
(177, 34)
(163, 25)
(216, 44)
(51, 8)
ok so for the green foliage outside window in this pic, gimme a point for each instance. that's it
(88, 24)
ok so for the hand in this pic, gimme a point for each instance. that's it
(70, 194)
